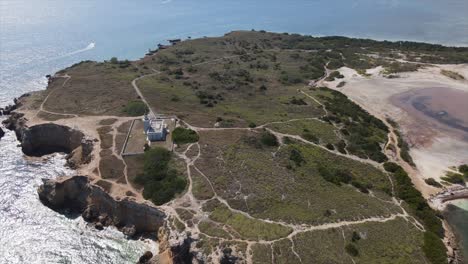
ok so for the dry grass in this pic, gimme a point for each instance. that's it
(111, 167)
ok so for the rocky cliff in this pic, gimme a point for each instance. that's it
(46, 139)
(76, 195)
(49, 138)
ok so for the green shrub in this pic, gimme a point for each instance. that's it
(355, 237)
(335, 176)
(296, 157)
(182, 135)
(364, 133)
(434, 248)
(334, 75)
(341, 146)
(160, 180)
(433, 182)
(463, 168)
(297, 101)
(136, 108)
(268, 139)
(455, 178)
(405, 191)
(404, 150)
(391, 167)
(311, 137)
(352, 250)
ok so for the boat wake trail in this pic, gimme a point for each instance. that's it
(90, 46)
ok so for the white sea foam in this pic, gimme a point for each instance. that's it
(90, 46)
(32, 233)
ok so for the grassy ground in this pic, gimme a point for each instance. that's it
(252, 88)
(137, 140)
(296, 195)
(245, 227)
(309, 129)
(93, 89)
(246, 79)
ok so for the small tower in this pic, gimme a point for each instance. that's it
(146, 123)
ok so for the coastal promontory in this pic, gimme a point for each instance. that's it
(255, 147)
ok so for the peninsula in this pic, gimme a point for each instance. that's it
(260, 147)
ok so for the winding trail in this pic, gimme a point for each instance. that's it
(188, 201)
(41, 108)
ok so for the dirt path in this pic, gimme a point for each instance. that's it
(41, 108)
(188, 201)
(140, 94)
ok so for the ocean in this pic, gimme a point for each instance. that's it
(39, 37)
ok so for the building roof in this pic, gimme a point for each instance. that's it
(156, 126)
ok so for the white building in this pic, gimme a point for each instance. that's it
(155, 129)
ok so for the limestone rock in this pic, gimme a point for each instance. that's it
(77, 195)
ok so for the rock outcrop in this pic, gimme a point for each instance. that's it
(175, 248)
(16, 122)
(76, 195)
(49, 138)
(46, 139)
(2, 133)
(10, 108)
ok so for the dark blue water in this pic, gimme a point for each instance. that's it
(39, 37)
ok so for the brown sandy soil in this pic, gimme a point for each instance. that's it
(434, 147)
(137, 139)
(116, 185)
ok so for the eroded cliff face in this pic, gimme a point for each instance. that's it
(76, 195)
(50, 138)
(46, 139)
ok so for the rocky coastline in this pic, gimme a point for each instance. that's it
(76, 196)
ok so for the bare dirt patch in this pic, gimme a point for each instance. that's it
(107, 122)
(135, 166)
(111, 167)
(137, 139)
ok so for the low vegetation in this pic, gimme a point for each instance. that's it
(313, 130)
(397, 67)
(182, 135)
(136, 108)
(334, 75)
(454, 178)
(404, 149)
(433, 247)
(452, 74)
(260, 81)
(246, 227)
(268, 139)
(161, 178)
(364, 133)
(433, 182)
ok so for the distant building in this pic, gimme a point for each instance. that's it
(155, 129)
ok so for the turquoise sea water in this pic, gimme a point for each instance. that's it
(39, 37)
